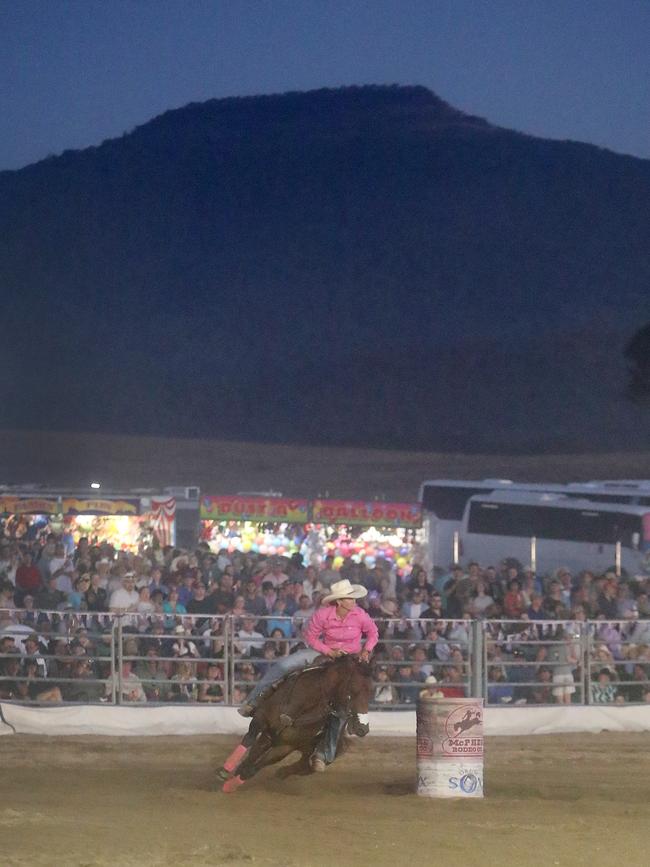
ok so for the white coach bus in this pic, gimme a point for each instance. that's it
(571, 532)
(445, 501)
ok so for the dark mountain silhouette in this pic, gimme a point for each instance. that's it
(363, 266)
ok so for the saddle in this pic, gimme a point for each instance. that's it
(286, 720)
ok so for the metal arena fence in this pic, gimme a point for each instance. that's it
(67, 657)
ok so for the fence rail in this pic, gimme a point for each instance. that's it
(63, 657)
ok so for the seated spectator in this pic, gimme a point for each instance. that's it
(499, 690)
(431, 689)
(385, 692)
(96, 596)
(249, 640)
(172, 609)
(407, 684)
(535, 610)
(7, 596)
(554, 607)
(28, 578)
(634, 691)
(254, 602)
(606, 604)
(9, 668)
(223, 595)
(212, 690)
(281, 646)
(513, 601)
(182, 646)
(156, 583)
(49, 598)
(603, 691)
(543, 692)
(419, 579)
(84, 688)
(451, 684)
(625, 602)
(480, 602)
(34, 652)
(36, 688)
(269, 656)
(152, 674)
(131, 690)
(126, 597)
(183, 686)
(279, 618)
(77, 596)
(186, 589)
(304, 611)
(239, 606)
(246, 675)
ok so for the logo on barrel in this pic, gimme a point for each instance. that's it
(424, 747)
(460, 722)
(468, 782)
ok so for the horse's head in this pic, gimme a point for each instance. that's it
(353, 692)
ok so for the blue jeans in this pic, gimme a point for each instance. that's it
(293, 662)
(326, 747)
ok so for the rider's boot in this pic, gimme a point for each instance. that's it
(248, 709)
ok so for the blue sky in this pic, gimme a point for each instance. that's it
(75, 72)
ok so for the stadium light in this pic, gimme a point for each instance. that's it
(95, 485)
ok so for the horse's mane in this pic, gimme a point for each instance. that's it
(352, 664)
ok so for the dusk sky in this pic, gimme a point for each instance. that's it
(75, 72)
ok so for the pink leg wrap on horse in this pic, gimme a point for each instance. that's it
(235, 758)
(232, 784)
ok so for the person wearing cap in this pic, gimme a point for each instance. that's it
(335, 629)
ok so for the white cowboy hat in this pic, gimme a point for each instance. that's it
(344, 590)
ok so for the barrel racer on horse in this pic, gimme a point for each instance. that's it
(311, 709)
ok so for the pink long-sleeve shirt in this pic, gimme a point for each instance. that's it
(326, 631)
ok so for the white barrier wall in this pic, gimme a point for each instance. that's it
(141, 721)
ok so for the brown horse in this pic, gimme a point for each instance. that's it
(295, 715)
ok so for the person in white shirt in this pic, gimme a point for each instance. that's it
(126, 598)
(248, 638)
(275, 575)
(131, 685)
(59, 560)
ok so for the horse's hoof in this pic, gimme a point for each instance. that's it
(232, 785)
(317, 764)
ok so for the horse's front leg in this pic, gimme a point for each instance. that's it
(237, 755)
(259, 757)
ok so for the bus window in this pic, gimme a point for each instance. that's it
(553, 522)
(448, 504)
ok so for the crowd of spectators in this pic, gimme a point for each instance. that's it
(57, 632)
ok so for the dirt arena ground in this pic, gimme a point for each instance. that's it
(151, 802)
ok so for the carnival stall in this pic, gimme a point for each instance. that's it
(123, 522)
(261, 525)
(365, 532)
(359, 530)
